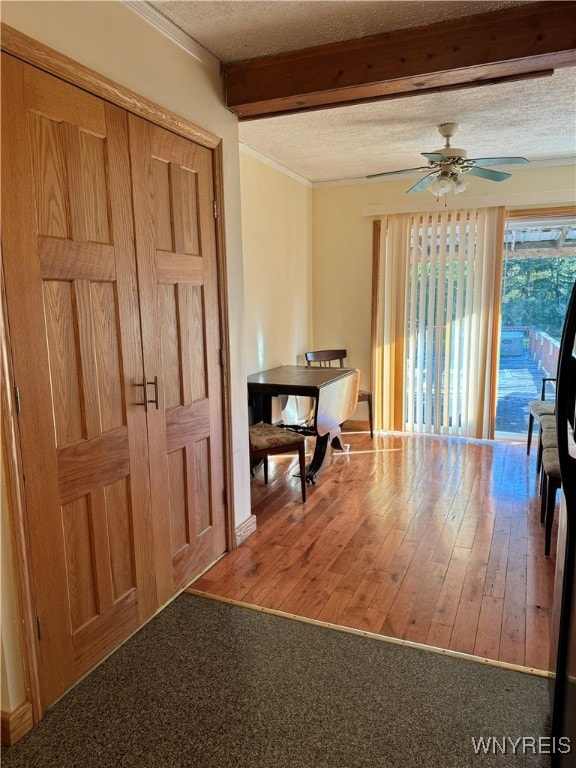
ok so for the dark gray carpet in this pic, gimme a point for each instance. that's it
(211, 685)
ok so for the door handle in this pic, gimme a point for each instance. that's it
(155, 398)
(144, 384)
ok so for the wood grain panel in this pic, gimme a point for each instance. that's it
(174, 149)
(53, 98)
(188, 329)
(179, 268)
(186, 424)
(90, 645)
(100, 551)
(170, 346)
(200, 472)
(87, 372)
(177, 478)
(162, 209)
(65, 260)
(79, 547)
(119, 525)
(107, 354)
(94, 182)
(195, 381)
(88, 464)
(184, 189)
(52, 213)
(186, 560)
(81, 213)
(62, 340)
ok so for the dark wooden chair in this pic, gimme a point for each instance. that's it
(547, 437)
(551, 483)
(266, 440)
(549, 466)
(325, 358)
(539, 408)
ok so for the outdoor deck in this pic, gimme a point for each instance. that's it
(520, 380)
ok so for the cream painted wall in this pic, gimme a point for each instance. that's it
(114, 41)
(342, 246)
(277, 245)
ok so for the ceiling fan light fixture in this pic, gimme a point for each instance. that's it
(441, 186)
(460, 184)
(446, 183)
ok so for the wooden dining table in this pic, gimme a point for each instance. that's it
(335, 395)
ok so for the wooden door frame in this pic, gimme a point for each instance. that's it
(32, 52)
(12, 465)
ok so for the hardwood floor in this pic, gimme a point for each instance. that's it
(428, 539)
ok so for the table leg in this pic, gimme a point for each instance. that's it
(318, 457)
(320, 454)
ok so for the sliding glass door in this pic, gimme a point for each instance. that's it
(469, 309)
(539, 270)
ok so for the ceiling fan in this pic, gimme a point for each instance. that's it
(447, 167)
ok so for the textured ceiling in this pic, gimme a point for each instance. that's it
(495, 120)
(533, 118)
(234, 30)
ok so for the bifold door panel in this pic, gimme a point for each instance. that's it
(111, 280)
(176, 253)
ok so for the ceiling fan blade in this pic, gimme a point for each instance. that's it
(498, 160)
(423, 183)
(435, 157)
(485, 173)
(391, 173)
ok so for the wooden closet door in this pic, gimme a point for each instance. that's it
(172, 179)
(74, 325)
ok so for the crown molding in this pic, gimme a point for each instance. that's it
(168, 28)
(273, 164)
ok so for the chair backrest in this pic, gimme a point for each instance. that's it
(566, 402)
(325, 357)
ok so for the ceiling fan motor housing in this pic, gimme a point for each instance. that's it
(447, 130)
(450, 154)
(453, 153)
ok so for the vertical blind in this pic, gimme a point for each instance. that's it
(438, 309)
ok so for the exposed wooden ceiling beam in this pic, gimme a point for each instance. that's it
(516, 42)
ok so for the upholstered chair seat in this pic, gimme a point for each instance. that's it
(267, 439)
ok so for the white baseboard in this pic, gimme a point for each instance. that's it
(246, 529)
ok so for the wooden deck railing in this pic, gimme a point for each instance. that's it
(543, 349)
